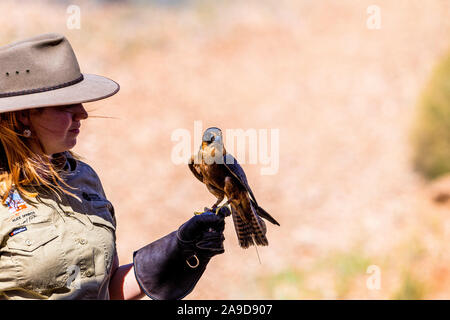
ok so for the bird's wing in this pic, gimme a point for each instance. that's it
(195, 169)
(264, 214)
(235, 168)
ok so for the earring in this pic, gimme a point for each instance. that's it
(27, 133)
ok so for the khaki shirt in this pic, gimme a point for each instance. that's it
(59, 248)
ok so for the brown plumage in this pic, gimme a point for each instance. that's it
(223, 176)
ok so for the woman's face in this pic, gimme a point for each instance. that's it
(56, 128)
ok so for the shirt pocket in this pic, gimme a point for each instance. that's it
(104, 220)
(30, 239)
(38, 258)
(104, 229)
(102, 213)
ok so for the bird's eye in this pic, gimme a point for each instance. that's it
(212, 138)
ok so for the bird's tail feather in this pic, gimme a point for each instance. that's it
(264, 214)
(249, 233)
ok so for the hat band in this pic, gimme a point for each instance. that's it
(44, 89)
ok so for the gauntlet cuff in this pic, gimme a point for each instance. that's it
(168, 268)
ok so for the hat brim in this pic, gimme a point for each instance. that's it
(91, 88)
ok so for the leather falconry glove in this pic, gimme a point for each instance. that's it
(170, 267)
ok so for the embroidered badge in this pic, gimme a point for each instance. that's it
(15, 203)
(18, 230)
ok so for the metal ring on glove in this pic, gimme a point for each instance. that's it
(197, 262)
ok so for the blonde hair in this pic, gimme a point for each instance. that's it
(22, 169)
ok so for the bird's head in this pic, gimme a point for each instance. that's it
(212, 135)
(212, 145)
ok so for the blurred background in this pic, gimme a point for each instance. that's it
(361, 99)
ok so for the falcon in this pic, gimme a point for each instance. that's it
(223, 176)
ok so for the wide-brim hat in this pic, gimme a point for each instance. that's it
(43, 71)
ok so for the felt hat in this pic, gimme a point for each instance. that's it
(43, 71)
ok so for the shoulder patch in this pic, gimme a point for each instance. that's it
(15, 203)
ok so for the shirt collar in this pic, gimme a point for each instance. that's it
(64, 161)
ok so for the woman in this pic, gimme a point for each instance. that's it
(57, 229)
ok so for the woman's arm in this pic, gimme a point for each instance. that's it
(123, 284)
(170, 267)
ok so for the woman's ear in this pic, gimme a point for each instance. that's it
(24, 117)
